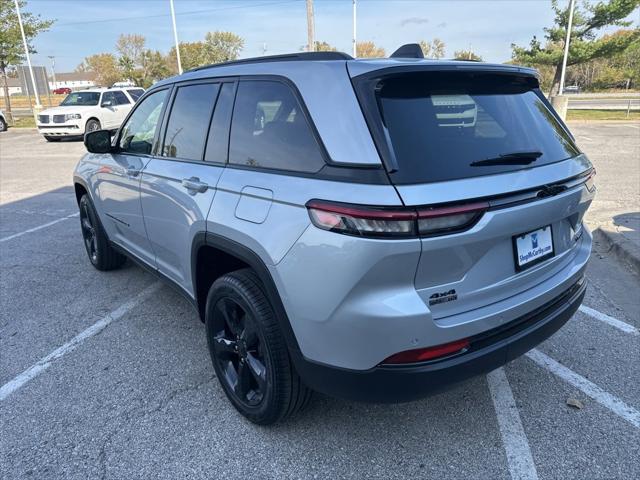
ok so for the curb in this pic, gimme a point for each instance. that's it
(623, 248)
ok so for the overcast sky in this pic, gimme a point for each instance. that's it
(85, 27)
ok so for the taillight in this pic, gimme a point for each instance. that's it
(377, 222)
(429, 353)
(361, 220)
(589, 182)
(437, 221)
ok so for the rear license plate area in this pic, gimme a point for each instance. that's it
(533, 247)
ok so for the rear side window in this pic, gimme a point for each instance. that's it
(189, 121)
(269, 129)
(446, 126)
(135, 93)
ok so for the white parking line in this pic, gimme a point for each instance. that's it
(614, 322)
(516, 445)
(605, 399)
(35, 229)
(44, 363)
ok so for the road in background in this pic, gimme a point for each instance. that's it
(139, 399)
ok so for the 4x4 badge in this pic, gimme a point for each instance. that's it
(448, 296)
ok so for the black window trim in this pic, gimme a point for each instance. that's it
(159, 153)
(332, 171)
(136, 105)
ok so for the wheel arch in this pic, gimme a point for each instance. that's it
(81, 188)
(92, 117)
(229, 256)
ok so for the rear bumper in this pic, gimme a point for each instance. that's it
(488, 351)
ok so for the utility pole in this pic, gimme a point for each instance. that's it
(566, 47)
(53, 69)
(311, 44)
(26, 52)
(175, 36)
(355, 45)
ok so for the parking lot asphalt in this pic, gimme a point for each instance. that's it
(107, 375)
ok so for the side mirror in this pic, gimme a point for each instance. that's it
(98, 141)
(106, 103)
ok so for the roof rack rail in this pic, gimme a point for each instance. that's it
(409, 50)
(316, 56)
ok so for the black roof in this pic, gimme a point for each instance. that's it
(302, 56)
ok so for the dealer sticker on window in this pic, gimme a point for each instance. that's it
(533, 247)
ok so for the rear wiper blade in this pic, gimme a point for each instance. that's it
(514, 158)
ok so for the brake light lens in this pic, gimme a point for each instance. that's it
(589, 182)
(429, 353)
(362, 221)
(377, 222)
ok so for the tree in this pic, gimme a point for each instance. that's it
(154, 68)
(370, 50)
(584, 45)
(324, 47)
(192, 55)
(131, 46)
(467, 55)
(433, 49)
(222, 46)
(11, 46)
(105, 66)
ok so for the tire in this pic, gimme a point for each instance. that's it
(246, 345)
(3, 125)
(92, 125)
(49, 138)
(101, 254)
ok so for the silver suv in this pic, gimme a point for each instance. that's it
(370, 229)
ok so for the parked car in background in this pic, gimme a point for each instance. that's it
(62, 91)
(86, 111)
(417, 223)
(3, 122)
(572, 89)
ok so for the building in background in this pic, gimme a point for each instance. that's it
(73, 80)
(14, 86)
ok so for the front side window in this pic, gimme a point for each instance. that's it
(108, 99)
(139, 131)
(120, 98)
(269, 129)
(189, 121)
(81, 99)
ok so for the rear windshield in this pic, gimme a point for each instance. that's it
(446, 126)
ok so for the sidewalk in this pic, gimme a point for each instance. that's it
(614, 216)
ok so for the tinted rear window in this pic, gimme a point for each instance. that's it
(440, 123)
(135, 93)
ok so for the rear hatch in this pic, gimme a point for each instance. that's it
(485, 151)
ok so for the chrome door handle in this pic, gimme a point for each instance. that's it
(194, 185)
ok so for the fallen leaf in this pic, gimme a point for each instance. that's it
(575, 403)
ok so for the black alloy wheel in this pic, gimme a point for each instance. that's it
(239, 352)
(88, 232)
(249, 352)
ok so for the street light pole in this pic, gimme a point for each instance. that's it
(311, 42)
(26, 52)
(355, 45)
(566, 47)
(175, 36)
(53, 70)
